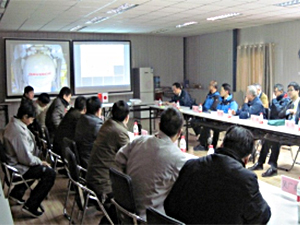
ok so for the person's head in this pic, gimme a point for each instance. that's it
(65, 93)
(43, 99)
(29, 92)
(213, 86)
(80, 104)
(93, 106)
(278, 89)
(120, 111)
(251, 92)
(225, 90)
(293, 90)
(240, 140)
(176, 88)
(258, 88)
(26, 112)
(171, 122)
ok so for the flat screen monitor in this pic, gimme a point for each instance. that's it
(42, 64)
(101, 66)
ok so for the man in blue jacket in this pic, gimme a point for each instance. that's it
(210, 104)
(279, 102)
(181, 95)
(252, 105)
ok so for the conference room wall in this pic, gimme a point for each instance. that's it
(286, 37)
(164, 54)
(209, 57)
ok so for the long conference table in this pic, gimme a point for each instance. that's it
(284, 134)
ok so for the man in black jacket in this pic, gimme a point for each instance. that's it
(182, 96)
(68, 124)
(279, 102)
(220, 189)
(87, 129)
(291, 111)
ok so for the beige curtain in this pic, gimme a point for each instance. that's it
(255, 64)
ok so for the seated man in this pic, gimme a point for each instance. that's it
(111, 137)
(87, 129)
(210, 104)
(291, 111)
(153, 162)
(252, 105)
(21, 151)
(220, 189)
(181, 95)
(279, 102)
(262, 96)
(57, 110)
(28, 94)
(67, 126)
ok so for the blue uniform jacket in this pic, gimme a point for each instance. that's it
(211, 102)
(254, 107)
(228, 103)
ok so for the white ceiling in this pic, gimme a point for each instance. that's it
(151, 16)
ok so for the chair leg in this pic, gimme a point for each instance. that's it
(85, 207)
(294, 162)
(104, 212)
(66, 202)
(71, 217)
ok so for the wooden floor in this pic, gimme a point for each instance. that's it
(54, 204)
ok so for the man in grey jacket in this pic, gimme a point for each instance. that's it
(22, 153)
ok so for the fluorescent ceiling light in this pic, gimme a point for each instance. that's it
(122, 8)
(77, 28)
(225, 16)
(97, 19)
(289, 3)
(186, 24)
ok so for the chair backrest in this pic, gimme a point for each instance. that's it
(3, 157)
(122, 190)
(47, 137)
(155, 217)
(68, 143)
(71, 164)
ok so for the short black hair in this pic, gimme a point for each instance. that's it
(279, 87)
(80, 103)
(28, 89)
(64, 91)
(120, 110)
(93, 104)
(177, 85)
(171, 121)
(26, 108)
(295, 85)
(240, 140)
(227, 87)
(44, 98)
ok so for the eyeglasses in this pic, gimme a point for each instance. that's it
(290, 90)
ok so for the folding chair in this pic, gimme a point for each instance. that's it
(82, 193)
(123, 198)
(294, 159)
(155, 217)
(12, 176)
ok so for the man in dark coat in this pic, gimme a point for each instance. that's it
(182, 96)
(57, 110)
(220, 189)
(68, 124)
(87, 129)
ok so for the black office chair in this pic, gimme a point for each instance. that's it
(155, 217)
(123, 198)
(82, 193)
(72, 145)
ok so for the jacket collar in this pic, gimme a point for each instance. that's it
(253, 101)
(227, 99)
(163, 136)
(231, 153)
(64, 102)
(19, 123)
(283, 95)
(213, 94)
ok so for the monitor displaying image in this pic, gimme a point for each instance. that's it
(101, 66)
(42, 64)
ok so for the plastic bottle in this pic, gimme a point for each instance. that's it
(211, 150)
(261, 118)
(229, 113)
(182, 144)
(135, 129)
(298, 191)
(299, 125)
(159, 102)
(200, 109)
(178, 105)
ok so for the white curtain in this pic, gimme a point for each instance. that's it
(255, 64)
